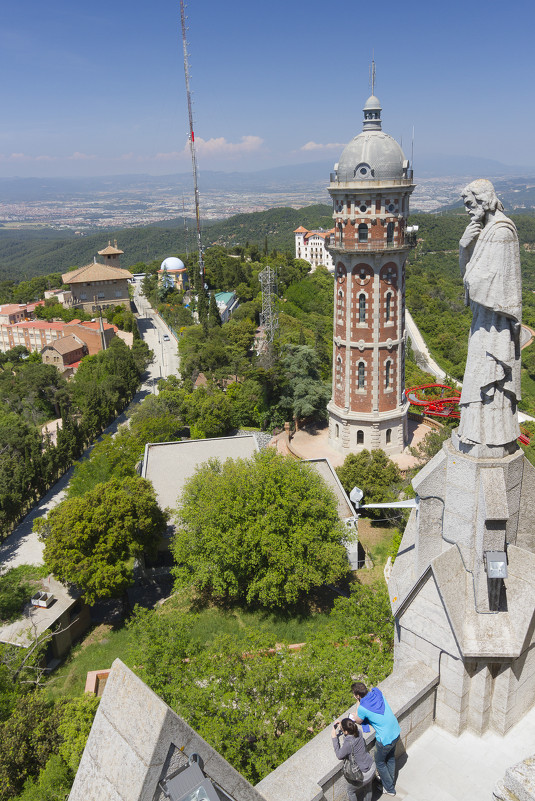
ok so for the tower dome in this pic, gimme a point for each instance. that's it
(373, 154)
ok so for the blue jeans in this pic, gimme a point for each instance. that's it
(385, 759)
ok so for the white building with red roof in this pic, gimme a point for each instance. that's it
(37, 334)
(16, 312)
(310, 246)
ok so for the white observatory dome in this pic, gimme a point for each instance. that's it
(172, 264)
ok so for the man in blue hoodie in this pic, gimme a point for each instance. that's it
(373, 708)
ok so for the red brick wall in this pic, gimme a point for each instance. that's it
(388, 398)
(361, 401)
(339, 373)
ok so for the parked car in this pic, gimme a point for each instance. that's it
(166, 337)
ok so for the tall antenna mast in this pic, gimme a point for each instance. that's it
(372, 74)
(192, 144)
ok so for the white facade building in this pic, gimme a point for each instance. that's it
(310, 246)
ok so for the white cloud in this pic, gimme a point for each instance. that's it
(220, 146)
(217, 147)
(315, 146)
(80, 157)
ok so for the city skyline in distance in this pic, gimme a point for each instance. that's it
(100, 90)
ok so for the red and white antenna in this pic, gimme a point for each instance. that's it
(192, 144)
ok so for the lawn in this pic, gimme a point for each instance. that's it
(377, 541)
(105, 643)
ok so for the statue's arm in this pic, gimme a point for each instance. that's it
(494, 275)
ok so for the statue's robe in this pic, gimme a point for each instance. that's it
(491, 384)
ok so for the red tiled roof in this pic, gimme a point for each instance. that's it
(322, 234)
(300, 230)
(96, 272)
(65, 345)
(13, 308)
(39, 324)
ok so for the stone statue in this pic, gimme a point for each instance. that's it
(490, 265)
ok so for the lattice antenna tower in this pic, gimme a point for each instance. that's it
(192, 144)
(270, 310)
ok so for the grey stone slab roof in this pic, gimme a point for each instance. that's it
(327, 472)
(36, 620)
(128, 751)
(169, 464)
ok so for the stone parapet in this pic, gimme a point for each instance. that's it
(315, 774)
(518, 783)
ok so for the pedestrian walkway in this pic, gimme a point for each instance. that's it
(313, 443)
(441, 767)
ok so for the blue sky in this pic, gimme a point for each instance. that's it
(98, 88)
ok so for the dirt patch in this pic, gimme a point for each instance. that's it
(376, 541)
(371, 536)
(98, 634)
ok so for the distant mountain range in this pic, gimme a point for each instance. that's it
(294, 176)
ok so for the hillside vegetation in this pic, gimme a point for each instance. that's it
(26, 253)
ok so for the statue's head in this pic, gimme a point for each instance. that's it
(479, 198)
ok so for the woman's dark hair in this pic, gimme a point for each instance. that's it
(350, 727)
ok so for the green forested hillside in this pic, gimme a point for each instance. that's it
(435, 294)
(25, 253)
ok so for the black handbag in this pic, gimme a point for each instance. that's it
(352, 772)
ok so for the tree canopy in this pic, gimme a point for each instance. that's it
(263, 530)
(254, 706)
(91, 541)
(374, 473)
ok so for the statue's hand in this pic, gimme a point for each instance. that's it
(473, 229)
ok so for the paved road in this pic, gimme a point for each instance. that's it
(22, 546)
(424, 358)
(158, 337)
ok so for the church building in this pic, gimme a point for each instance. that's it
(370, 189)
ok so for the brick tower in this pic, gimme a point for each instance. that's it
(370, 188)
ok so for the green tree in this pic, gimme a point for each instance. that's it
(53, 783)
(257, 708)
(74, 728)
(306, 395)
(263, 530)
(214, 318)
(27, 738)
(374, 473)
(92, 541)
(202, 306)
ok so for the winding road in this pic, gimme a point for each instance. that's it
(22, 547)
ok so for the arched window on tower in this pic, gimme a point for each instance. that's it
(361, 375)
(340, 234)
(360, 437)
(388, 436)
(390, 232)
(363, 232)
(388, 307)
(388, 374)
(362, 308)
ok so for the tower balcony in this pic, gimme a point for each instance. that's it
(409, 236)
(367, 247)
